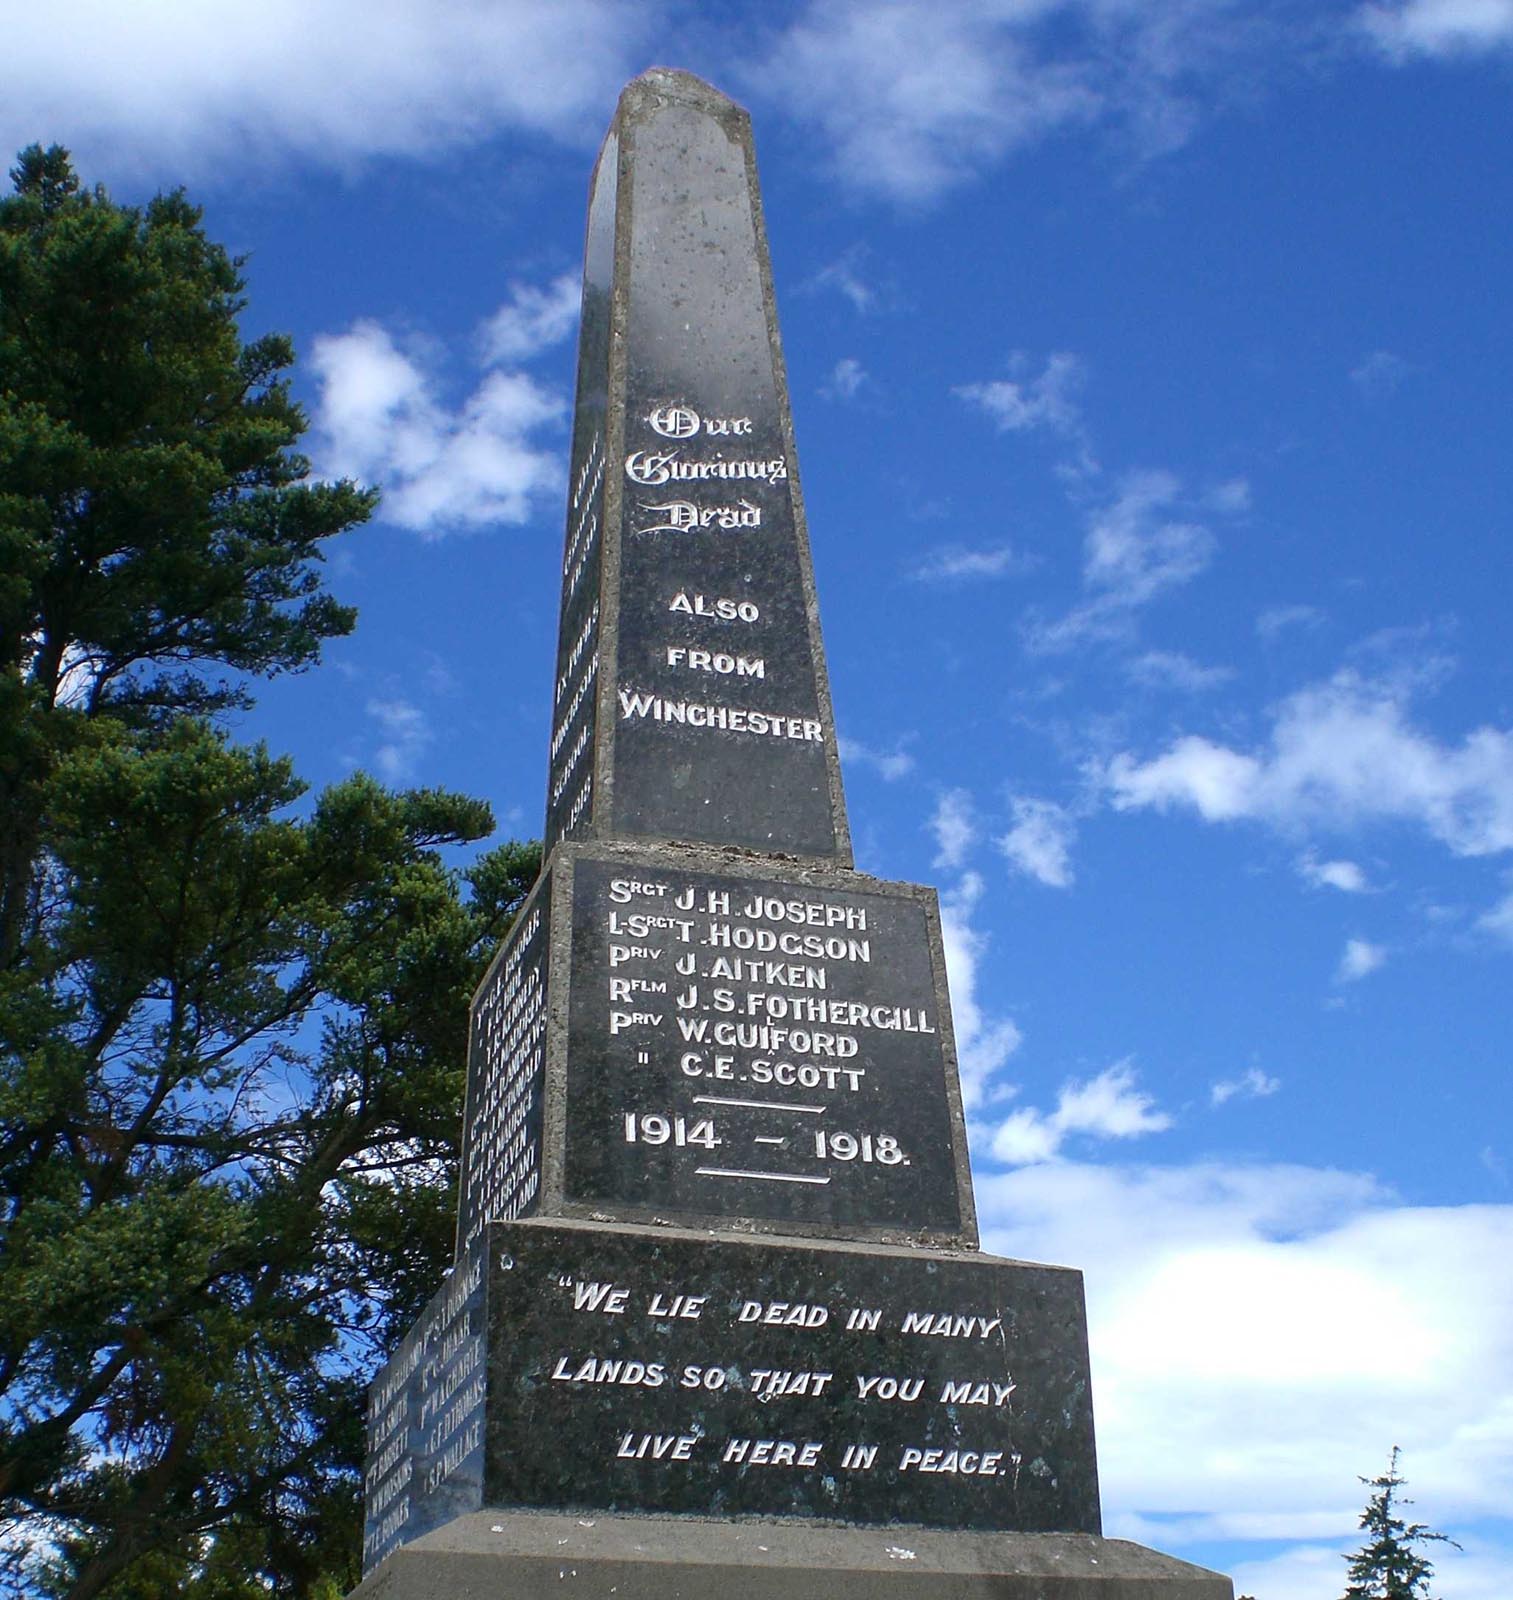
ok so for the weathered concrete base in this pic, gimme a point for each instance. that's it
(501, 1555)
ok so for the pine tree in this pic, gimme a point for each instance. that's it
(232, 1018)
(1387, 1566)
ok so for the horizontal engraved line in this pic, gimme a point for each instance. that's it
(771, 1177)
(759, 1105)
(767, 1138)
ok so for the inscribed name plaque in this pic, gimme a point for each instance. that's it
(658, 1370)
(502, 1124)
(571, 756)
(759, 1047)
(425, 1419)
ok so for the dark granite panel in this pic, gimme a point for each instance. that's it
(723, 732)
(571, 763)
(502, 1122)
(425, 1420)
(636, 1370)
(745, 1047)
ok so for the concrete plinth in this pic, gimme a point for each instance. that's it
(496, 1555)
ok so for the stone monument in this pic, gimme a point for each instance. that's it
(718, 1322)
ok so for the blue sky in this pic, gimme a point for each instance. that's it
(1151, 382)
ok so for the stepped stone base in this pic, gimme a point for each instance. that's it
(499, 1555)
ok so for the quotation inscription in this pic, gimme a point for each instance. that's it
(724, 1377)
(501, 1164)
(740, 1046)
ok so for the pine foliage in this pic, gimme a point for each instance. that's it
(232, 1015)
(1389, 1566)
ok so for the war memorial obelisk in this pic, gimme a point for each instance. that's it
(718, 1323)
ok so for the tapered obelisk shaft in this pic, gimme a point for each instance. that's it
(691, 700)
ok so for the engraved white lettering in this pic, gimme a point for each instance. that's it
(945, 1325)
(635, 705)
(683, 516)
(983, 1463)
(657, 1446)
(783, 1314)
(716, 661)
(653, 469)
(714, 606)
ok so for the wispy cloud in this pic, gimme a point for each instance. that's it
(1340, 752)
(932, 93)
(1499, 920)
(1343, 875)
(1380, 374)
(180, 89)
(844, 277)
(1170, 669)
(954, 563)
(1109, 1106)
(1039, 841)
(1016, 405)
(1253, 1084)
(404, 731)
(1139, 545)
(954, 825)
(1277, 620)
(983, 1042)
(887, 764)
(846, 377)
(1438, 28)
(531, 320)
(381, 418)
(1359, 959)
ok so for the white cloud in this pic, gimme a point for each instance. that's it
(1380, 374)
(186, 88)
(1048, 401)
(1277, 619)
(1039, 841)
(1138, 546)
(1262, 1334)
(531, 320)
(1340, 752)
(380, 419)
(932, 93)
(1231, 497)
(983, 1042)
(1360, 959)
(954, 827)
(1170, 669)
(1499, 920)
(1108, 1106)
(1439, 27)
(1253, 1084)
(1343, 875)
(953, 563)
(405, 733)
(1134, 551)
(888, 764)
(844, 276)
(1315, 1572)
(936, 93)
(847, 376)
